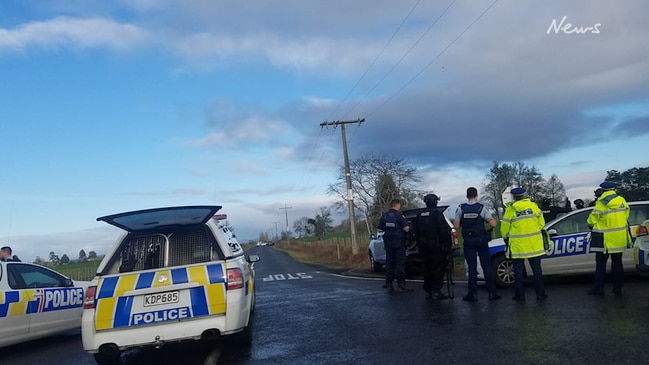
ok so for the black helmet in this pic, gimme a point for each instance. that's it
(431, 200)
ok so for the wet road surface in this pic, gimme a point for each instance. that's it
(305, 316)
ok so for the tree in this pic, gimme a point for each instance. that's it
(322, 222)
(82, 255)
(54, 258)
(263, 237)
(92, 255)
(369, 176)
(632, 184)
(554, 191)
(39, 261)
(302, 226)
(65, 259)
(498, 179)
(517, 174)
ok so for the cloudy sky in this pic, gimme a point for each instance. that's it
(110, 106)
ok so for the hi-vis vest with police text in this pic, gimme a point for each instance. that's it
(609, 218)
(522, 225)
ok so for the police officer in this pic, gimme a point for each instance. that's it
(5, 254)
(433, 236)
(609, 236)
(471, 217)
(394, 226)
(522, 227)
(598, 192)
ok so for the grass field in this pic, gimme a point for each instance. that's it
(84, 271)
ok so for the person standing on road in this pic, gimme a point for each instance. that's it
(394, 226)
(609, 236)
(433, 236)
(522, 229)
(6, 254)
(472, 217)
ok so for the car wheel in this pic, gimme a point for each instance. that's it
(374, 266)
(107, 359)
(503, 270)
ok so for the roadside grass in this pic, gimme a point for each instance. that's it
(334, 252)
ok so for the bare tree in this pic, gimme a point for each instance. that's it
(367, 175)
(554, 191)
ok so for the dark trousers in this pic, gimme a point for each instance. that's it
(616, 269)
(434, 263)
(395, 262)
(475, 248)
(519, 276)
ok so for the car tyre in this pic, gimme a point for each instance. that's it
(374, 266)
(503, 270)
(107, 359)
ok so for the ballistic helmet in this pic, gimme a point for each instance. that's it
(431, 200)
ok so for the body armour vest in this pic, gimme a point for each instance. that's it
(471, 222)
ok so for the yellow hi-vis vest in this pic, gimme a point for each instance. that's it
(610, 218)
(521, 225)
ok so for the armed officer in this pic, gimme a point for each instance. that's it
(394, 226)
(433, 236)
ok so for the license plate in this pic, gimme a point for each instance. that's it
(161, 298)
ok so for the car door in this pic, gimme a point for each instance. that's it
(568, 252)
(55, 304)
(14, 319)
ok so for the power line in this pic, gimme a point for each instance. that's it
(402, 58)
(434, 59)
(374, 61)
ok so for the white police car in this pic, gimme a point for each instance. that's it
(37, 302)
(568, 252)
(176, 274)
(641, 253)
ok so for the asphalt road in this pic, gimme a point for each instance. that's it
(305, 316)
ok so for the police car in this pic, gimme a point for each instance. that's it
(37, 302)
(568, 250)
(641, 253)
(376, 247)
(175, 274)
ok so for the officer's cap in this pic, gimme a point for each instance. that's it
(607, 185)
(430, 198)
(518, 191)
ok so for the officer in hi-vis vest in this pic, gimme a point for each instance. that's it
(522, 229)
(609, 236)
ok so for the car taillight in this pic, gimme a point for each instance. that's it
(89, 300)
(235, 279)
(643, 231)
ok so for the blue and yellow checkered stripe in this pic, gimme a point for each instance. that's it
(20, 302)
(113, 309)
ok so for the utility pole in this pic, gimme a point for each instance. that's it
(276, 230)
(348, 179)
(288, 235)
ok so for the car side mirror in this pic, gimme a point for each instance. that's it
(252, 258)
(552, 232)
(68, 282)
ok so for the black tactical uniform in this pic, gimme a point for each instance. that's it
(433, 236)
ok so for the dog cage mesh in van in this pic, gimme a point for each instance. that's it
(181, 248)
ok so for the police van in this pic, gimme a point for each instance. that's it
(568, 252)
(175, 274)
(37, 302)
